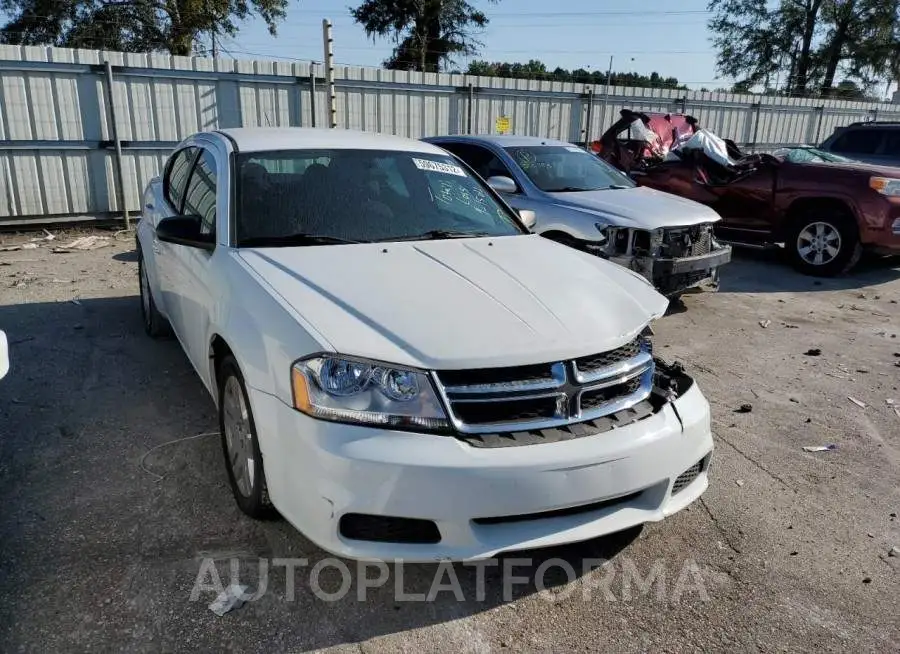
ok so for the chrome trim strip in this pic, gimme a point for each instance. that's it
(617, 369)
(504, 398)
(613, 406)
(557, 378)
(620, 403)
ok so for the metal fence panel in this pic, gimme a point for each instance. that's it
(57, 159)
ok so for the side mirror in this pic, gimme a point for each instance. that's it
(502, 184)
(4, 355)
(528, 218)
(184, 230)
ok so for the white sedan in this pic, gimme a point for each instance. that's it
(401, 369)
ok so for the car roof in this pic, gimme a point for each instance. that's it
(503, 141)
(262, 139)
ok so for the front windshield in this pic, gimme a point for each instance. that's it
(809, 155)
(361, 196)
(562, 169)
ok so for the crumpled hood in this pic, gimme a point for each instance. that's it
(461, 303)
(641, 207)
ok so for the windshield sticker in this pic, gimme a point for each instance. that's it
(573, 148)
(438, 167)
(525, 159)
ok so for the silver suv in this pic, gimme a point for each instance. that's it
(872, 142)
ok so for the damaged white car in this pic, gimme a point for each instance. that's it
(583, 202)
(400, 368)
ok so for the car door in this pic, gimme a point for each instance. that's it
(175, 180)
(193, 281)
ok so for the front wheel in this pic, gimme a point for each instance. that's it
(823, 243)
(155, 323)
(240, 445)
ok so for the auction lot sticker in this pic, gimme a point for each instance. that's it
(438, 167)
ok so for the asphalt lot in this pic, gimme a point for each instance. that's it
(790, 548)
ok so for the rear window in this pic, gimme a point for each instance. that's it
(858, 141)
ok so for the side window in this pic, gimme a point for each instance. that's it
(200, 199)
(483, 161)
(858, 141)
(176, 177)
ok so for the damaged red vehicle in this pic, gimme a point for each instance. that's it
(824, 208)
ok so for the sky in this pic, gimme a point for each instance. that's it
(641, 35)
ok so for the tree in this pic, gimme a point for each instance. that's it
(535, 69)
(804, 44)
(428, 33)
(175, 26)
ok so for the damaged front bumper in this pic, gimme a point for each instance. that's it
(674, 260)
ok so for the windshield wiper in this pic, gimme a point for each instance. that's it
(293, 239)
(435, 234)
(569, 189)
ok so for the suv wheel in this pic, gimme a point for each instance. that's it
(240, 445)
(823, 242)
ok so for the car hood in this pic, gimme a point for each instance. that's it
(640, 207)
(460, 303)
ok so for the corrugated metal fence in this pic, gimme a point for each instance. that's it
(57, 156)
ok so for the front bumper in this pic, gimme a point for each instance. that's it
(672, 276)
(318, 472)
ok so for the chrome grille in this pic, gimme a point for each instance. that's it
(495, 400)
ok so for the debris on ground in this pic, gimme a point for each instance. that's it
(813, 352)
(765, 323)
(229, 599)
(739, 482)
(894, 551)
(859, 403)
(862, 370)
(867, 580)
(788, 325)
(10, 248)
(29, 246)
(794, 400)
(744, 408)
(820, 448)
(83, 243)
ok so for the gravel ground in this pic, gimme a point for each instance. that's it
(787, 550)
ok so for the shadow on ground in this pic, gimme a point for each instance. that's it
(103, 543)
(765, 271)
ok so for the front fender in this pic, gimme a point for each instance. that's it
(581, 225)
(260, 330)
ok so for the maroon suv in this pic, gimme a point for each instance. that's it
(825, 208)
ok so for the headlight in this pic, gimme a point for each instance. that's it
(885, 185)
(366, 392)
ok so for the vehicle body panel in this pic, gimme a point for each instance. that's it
(758, 202)
(4, 355)
(448, 304)
(593, 218)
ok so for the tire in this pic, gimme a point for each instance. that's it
(240, 444)
(155, 323)
(823, 242)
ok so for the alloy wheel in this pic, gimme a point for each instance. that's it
(238, 436)
(819, 243)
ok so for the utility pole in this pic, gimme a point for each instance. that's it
(215, 45)
(329, 72)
